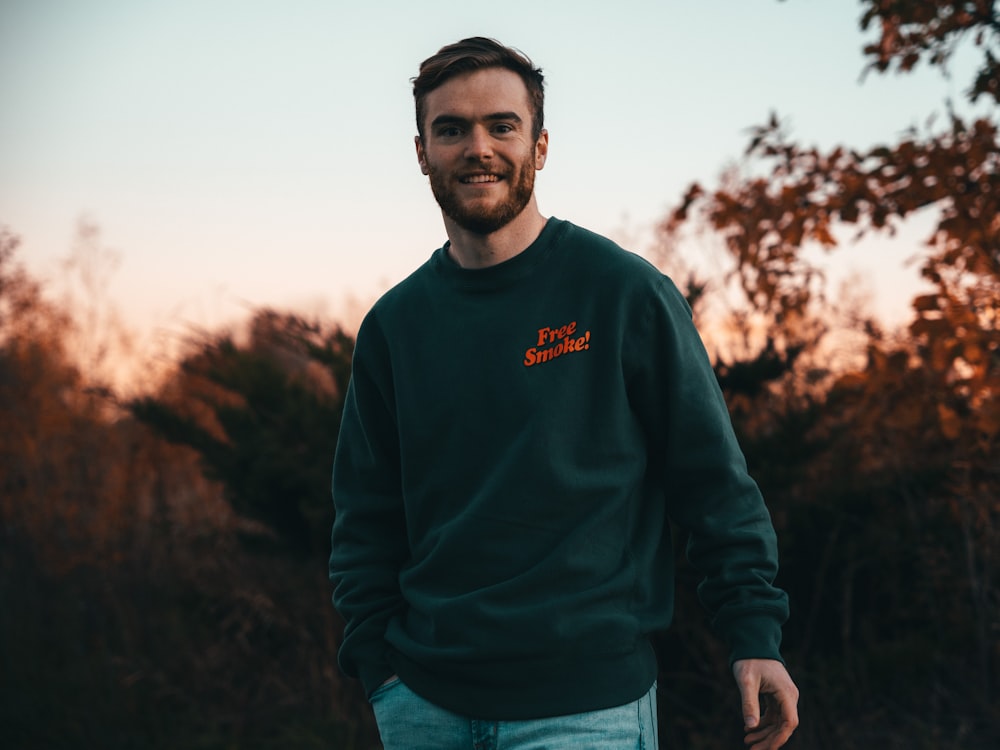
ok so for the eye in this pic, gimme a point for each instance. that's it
(503, 128)
(449, 131)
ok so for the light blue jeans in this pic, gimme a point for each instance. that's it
(408, 722)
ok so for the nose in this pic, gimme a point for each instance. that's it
(479, 145)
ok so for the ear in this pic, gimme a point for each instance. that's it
(421, 157)
(541, 149)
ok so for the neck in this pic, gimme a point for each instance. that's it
(472, 250)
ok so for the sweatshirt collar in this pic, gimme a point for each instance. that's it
(501, 274)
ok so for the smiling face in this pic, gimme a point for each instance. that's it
(478, 149)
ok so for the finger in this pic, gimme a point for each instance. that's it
(784, 713)
(787, 708)
(768, 740)
(755, 738)
(771, 734)
(784, 731)
(764, 730)
(751, 704)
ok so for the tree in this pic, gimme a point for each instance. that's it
(44, 413)
(891, 512)
(264, 416)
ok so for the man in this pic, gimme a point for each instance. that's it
(529, 413)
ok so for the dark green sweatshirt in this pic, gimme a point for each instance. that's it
(516, 443)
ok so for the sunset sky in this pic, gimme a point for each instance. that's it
(237, 153)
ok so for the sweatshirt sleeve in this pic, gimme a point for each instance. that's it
(368, 543)
(709, 492)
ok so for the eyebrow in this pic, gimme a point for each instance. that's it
(457, 120)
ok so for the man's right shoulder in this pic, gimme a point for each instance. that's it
(404, 297)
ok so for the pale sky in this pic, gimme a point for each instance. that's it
(239, 153)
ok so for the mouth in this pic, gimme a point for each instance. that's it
(479, 179)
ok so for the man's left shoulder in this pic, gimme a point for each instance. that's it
(608, 257)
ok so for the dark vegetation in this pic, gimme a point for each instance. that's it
(162, 558)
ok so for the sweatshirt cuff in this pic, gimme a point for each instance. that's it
(373, 675)
(754, 637)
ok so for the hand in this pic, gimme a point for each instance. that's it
(766, 680)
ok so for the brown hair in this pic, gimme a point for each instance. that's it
(478, 53)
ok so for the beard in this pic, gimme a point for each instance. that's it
(485, 219)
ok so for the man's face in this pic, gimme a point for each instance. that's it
(477, 148)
